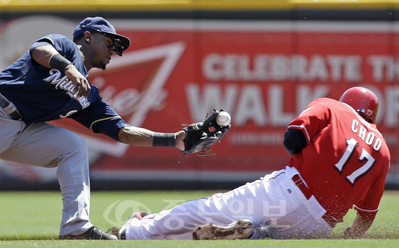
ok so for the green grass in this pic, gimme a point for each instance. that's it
(201, 244)
(32, 219)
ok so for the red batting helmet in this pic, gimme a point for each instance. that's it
(363, 100)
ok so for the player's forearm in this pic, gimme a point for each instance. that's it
(48, 57)
(43, 54)
(359, 227)
(143, 137)
(136, 136)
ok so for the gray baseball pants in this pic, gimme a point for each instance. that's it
(44, 145)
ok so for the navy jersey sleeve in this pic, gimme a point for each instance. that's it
(63, 45)
(101, 118)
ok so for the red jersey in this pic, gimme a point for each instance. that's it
(345, 161)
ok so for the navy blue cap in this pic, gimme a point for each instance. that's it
(99, 24)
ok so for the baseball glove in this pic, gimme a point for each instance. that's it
(200, 137)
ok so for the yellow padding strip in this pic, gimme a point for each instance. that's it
(189, 5)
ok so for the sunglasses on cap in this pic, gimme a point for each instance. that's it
(116, 43)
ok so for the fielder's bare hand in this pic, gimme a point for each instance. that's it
(82, 85)
(180, 136)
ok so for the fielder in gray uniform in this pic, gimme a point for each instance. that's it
(49, 82)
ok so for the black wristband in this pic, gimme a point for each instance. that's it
(164, 139)
(57, 61)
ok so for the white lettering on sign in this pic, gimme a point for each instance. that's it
(265, 107)
(279, 67)
(248, 102)
(384, 68)
(392, 106)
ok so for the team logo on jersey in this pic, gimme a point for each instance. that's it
(66, 84)
(60, 82)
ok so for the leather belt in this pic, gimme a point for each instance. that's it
(9, 108)
(308, 194)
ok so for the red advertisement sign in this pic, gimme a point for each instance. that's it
(263, 73)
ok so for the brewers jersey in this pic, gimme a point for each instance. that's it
(44, 94)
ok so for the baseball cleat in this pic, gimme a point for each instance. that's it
(138, 215)
(92, 233)
(241, 229)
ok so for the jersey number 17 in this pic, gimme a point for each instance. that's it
(365, 159)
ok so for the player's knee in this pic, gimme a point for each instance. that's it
(78, 143)
(70, 147)
(73, 152)
(71, 143)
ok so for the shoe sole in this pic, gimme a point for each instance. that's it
(241, 229)
(92, 234)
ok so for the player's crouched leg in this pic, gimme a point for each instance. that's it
(50, 146)
(73, 176)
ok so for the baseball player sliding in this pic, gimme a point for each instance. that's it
(49, 82)
(339, 160)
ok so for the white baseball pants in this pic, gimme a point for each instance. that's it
(274, 204)
(42, 144)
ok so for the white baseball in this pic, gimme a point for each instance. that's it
(223, 119)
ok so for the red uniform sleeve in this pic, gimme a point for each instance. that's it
(368, 207)
(314, 118)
